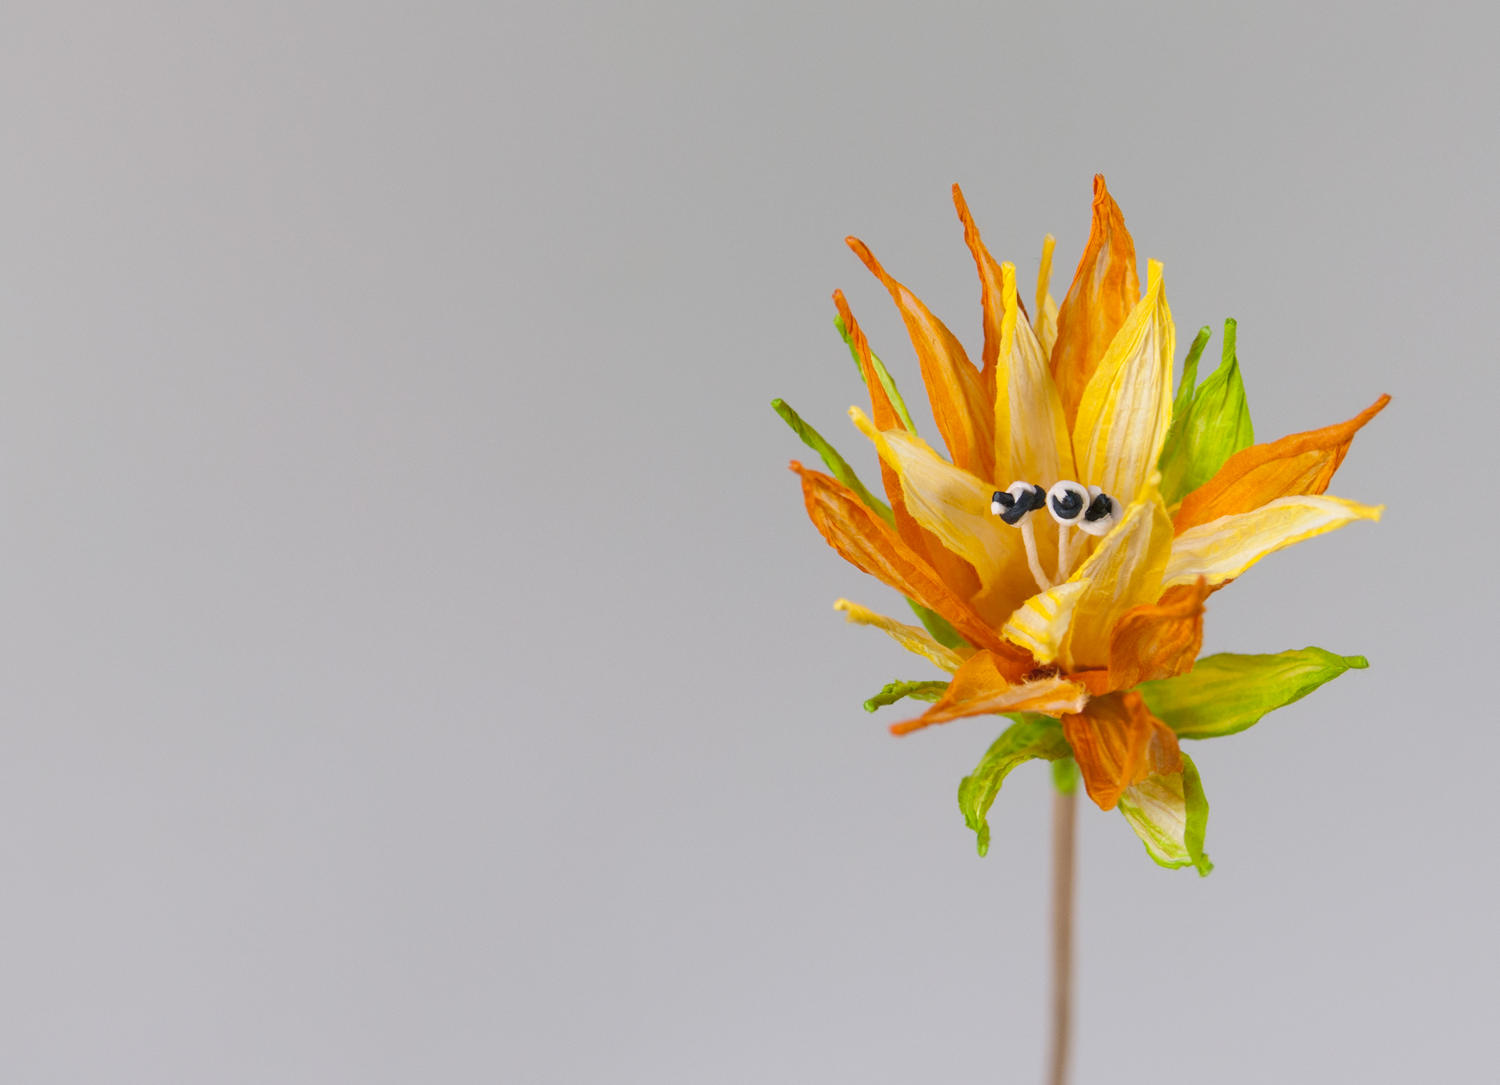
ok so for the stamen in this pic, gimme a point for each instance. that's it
(1028, 536)
(1064, 552)
(1015, 507)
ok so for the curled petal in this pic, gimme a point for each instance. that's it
(960, 405)
(1045, 321)
(1031, 433)
(1302, 463)
(1104, 291)
(864, 540)
(1040, 624)
(987, 684)
(1224, 548)
(1118, 743)
(989, 287)
(1160, 639)
(912, 638)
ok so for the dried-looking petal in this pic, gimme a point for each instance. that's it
(1117, 743)
(987, 684)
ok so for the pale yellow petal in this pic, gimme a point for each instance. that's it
(955, 506)
(1126, 570)
(911, 637)
(1031, 433)
(1222, 549)
(1040, 624)
(1157, 810)
(1127, 406)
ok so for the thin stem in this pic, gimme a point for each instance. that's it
(1064, 812)
(1028, 536)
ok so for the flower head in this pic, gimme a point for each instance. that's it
(1059, 556)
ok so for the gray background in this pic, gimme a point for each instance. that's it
(415, 662)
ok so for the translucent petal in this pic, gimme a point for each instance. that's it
(912, 638)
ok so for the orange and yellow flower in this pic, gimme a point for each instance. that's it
(1060, 555)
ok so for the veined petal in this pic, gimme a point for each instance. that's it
(912, 638)
(864, 541)
(1031, 434)
(1117, 743)
(1170, 815)
(1126, 410)
(955, 507)
(1044, 323)
(955, 389)
(1224, 548)
(986, 684)
(951, 569)
(1040, 624)
(1126, 570)
(1157, 640)
(1104, 292)
(1302, 463)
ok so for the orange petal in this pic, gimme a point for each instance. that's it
(1117, 743)
(866, 542)
(991, 294)
(1104, 291)
(1302, 463)
(953, 569)
(962, 410)
(1158, 640)
(987, 684)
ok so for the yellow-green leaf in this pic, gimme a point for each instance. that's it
(1227, 693)
(894, 691)
(1215, 427)
(1031, 735)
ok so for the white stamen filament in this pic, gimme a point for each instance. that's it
(1028, 536)
(1064, 552)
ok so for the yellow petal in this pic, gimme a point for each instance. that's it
(955, 506)
(1031, 434)
(1224, 548)
(912, 638)
(1040, 624)
(1127, 406)
(1044, 323)
(1126, 570)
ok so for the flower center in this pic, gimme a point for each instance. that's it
(1071, 504)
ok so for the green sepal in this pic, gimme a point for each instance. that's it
(837, 466)
(1031, 735)
(1227, 693)
(1065, 775)
(938, 626)
(1214, 427)
(1197, 817)
(894, 691)
(880, 371)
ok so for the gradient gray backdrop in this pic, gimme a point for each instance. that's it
(416, 664)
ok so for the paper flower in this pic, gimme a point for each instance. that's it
(1060, 555)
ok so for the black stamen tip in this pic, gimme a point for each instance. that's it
(1067, 504)
(1037, 499)
(1012, 515)
(1003, 499)
(1099, 508)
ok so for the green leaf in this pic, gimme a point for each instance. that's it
(837, 466)
(1031, 735)
(1197, 817)
(1171, 463)
(938, 626)
(894, 691)
(1226, 693)
(880, 371)
(1215, 427)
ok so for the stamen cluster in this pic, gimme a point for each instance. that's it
(1071, 504)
